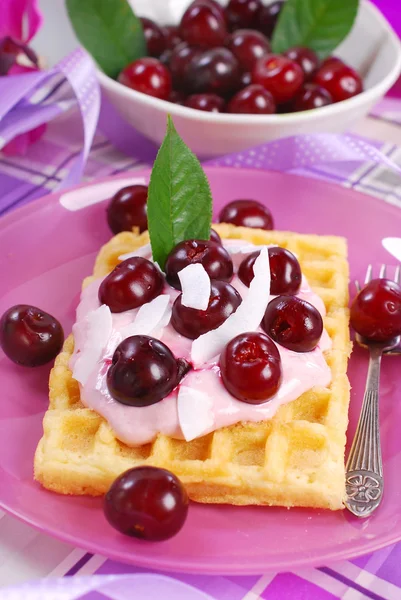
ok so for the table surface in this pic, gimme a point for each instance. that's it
(26, 554)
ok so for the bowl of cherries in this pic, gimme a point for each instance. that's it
(214, 66)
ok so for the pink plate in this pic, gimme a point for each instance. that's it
(46, 250)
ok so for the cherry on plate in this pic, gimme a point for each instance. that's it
(143, 371)
(214, 71)
(191, 323)
(279, 75)
(252, 100)
(149, 76)
(247, 213)
(128, 209)
(214, 237)
(203, 26)
(306, 58)
(309, 97)
(206, 102)
(155, 37)
(30, 336)
(376, 310)
(285, 270)
(340, 80)
(267, 17)
(251, 367)
(294, 323)
(132, 283)
(147, 503)
(214, 258)
(248, 46)
(243, 13)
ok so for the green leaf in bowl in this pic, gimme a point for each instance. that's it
(318, 24)
(110, 32)
(179, 197)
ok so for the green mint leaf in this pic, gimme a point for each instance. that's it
(110, 32)
(179, 197)
(318, 24)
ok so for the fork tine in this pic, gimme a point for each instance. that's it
(383, 271)
(397, 275)
(368, 276)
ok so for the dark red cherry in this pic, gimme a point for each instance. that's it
(243, 13)
(376, 310)
(279, 75)
(165, 57)
(247, 213)
(247, 46)
(147, 503)
(306, 58)
(311, 96)
(267, 17)
(246, 79)
(214, 258)
(214, 71)
(172, 36)
(285, 271)
(180, 59)
(143, 371)
(214, 237)
(206, 102)
(30, 336)
(340, 80)
(331, 60)
(203, 26)
(251, 367)
(128, 209)
(293, 323)
(155, 37)
(253, 99)
(149, 76)
(191, 323)
(132, 283)
(176, 97)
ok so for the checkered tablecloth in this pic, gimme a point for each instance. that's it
(26, 554)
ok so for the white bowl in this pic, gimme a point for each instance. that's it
(372, 48)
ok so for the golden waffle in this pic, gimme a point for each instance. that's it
(294, 459)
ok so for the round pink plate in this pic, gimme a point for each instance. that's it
(45, 251)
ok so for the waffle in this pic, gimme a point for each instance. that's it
(294, 459)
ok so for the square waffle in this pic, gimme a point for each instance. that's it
(294, 459)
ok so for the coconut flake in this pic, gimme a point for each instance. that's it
(195, 413)
(151, 317)
(143, 251)
(195, 286)
(247, 317)
(99, 326)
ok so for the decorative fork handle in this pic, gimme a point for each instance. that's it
(364, 470)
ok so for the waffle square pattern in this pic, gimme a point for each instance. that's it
(294, 459)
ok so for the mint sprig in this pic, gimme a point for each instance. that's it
(318, 24)
(110, 32)
(179, 197)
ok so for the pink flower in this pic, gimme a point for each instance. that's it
(19, 22)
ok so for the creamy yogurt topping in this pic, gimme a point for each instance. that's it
(136, 426)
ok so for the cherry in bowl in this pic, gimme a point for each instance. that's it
(309, 97)
(149, 76)
(155, 37)
(147, 503)
(128, 209)
(279, 75)
(191, 323)
(243, 13)
(248, 46)
(376, 311)
(206, 102)
(340, 80)
(132, 283)
(306, 58)
(293, 323)
(285, 270)
(214, 71)
(247, 213)
(143, 371)
(30, 336)
(252, 100)
(203, 26)
(251, 367)
(214, 258)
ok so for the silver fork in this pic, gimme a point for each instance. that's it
(364, 469)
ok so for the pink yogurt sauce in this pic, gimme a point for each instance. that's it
(137, 426)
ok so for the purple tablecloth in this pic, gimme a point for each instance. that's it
(376, 576)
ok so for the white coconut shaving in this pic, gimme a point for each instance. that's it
(247, 317)
(150, 318)
(195, 413)
(143, 251)
(99, 325)
(195, 286)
